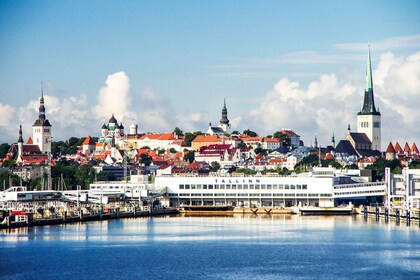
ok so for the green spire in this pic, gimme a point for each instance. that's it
(368, 86)
(369, 101)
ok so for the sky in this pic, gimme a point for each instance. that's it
(165, 64)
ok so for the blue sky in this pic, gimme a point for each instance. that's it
(163, 64)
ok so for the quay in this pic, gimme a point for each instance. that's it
(15, 219)
(397, 214)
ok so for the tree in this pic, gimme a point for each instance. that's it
(283, 137)
(258, 150)
(380, 164)
(4, 148)
(145, 159)
(9, 163)
(172, 150)
(178, 131)
(414, 165)
(189, 137)
(241, 145)
(190, 156)
(214, 166)
(8, 178)
(235, 132)
(106, 176)
(250, 133)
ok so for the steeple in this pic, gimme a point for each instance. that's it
(20, 140)
(42, 120)
(224, 121)
(333, 140)
(369, 101)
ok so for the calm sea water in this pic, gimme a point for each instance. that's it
(240, 247)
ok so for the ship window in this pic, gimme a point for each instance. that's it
(228, 187)
(193, 187)
(210, 187)
(263, 186)
(257, 187)
(269, 187)
(181, 187)
(286, 187)
(187, 187)
(304, 187)
(233, 187)
(205, 187)
(245, 186)
(251, 187)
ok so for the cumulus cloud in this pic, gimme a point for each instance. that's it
(318, 109)
(332, 102)
(114, 97)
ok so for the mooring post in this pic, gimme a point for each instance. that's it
(397, 215)
(377, 212)
(407, 217)
(81, 215)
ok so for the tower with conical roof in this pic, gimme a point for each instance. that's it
(20, 143)
(224, 121)
(41, 129)
(369, 119)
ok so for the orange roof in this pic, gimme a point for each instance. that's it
(406, 147)
(272, 140)
(397, 147)
(30, 141)
(289, 132)
(98, 144)
(250, 139)
(329, 156)
(390, 148)
(88, 141)
(414, 150)
(167, 136)
(99, 156)
(206, 138)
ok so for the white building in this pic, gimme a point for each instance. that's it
(41, 129)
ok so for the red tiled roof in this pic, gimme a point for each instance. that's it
(289, 132)
(397, 148)
(206, 138)
(414, 150)
(390, 148)
(272, 140)
(29, 142)
(329, 156)
(88, 141)
(406, 147)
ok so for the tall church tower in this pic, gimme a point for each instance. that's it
(369, 119)
(224, 122)
(41, 129)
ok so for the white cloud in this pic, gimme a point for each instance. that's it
(331, 102)
(114, 97)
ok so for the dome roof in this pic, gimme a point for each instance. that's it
(112, 119)
(104, 127)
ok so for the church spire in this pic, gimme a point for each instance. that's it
(224, 121)
(20, 140)
(41, 105)
(369, 101)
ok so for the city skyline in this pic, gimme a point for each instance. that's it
(164, 65)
